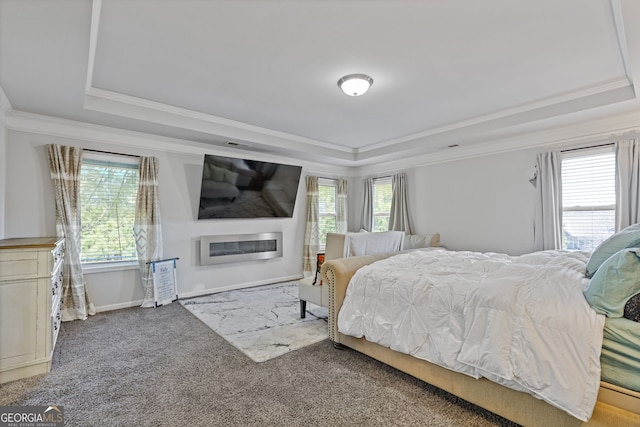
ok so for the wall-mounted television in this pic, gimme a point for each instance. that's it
(240, 188)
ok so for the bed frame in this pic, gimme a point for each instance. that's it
(616, 406)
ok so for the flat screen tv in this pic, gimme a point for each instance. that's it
(239, 188)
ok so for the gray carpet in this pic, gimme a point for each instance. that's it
(163, 367)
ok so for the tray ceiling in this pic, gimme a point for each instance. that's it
(263, 73)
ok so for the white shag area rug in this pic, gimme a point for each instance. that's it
(263, 322)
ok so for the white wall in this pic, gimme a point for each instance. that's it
(483, 203)
(31, 212)
(480, 204)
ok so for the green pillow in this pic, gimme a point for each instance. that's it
(616, 281)
(627, 238)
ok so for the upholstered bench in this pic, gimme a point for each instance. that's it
(315, 294)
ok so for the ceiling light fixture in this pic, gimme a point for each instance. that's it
(355, 84)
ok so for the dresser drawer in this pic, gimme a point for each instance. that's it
(56, 284)
(18, 265)
(56, 318)
(57, 255)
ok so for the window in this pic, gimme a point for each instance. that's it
(108, 188)
(327, 195)
(382, 194)
(588, 198)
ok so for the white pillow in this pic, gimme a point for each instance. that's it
(415, 241)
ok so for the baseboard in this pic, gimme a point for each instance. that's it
(201, 292)
(118, 306)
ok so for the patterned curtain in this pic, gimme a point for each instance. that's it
(366, 220)
(64, 165)
(146, 227)
(400, 217)
(341, 206)
(627, 183)
(548, 220)
(312, 230)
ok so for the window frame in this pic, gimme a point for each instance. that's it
(115, 159)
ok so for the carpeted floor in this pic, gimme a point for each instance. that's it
(163, 367)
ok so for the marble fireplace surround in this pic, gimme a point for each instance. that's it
(219, 249)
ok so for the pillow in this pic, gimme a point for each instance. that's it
(615, 282)
(230, 177)
(627, 238)
(632, 309)
(215, 173)
(415, 241)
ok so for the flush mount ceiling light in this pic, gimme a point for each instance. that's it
(355, 84)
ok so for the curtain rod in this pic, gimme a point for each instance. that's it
(586, 148)
(110, 152)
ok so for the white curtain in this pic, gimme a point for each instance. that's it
(341, 206)
(548, 218)
(366, 220)
(64, 166)
(311, 245)
(627, 183)
(147, 228)
(400, 217)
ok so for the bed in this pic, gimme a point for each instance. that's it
(525, 364)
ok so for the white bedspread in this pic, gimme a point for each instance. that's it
(520, 321)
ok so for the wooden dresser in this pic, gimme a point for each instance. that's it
(30, 299)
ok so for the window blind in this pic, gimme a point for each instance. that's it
(588, 199)
(382, 195)
(327, 209)
(107, 200)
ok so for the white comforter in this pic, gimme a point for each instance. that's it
(520, 321)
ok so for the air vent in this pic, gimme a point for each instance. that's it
(236, 144)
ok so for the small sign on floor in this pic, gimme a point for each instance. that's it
(165, 289)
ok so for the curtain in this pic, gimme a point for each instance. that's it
(147, 229)
(548, 218)
(64, 166)
(400, 217)
(627, 183)
(341, 206)
(366, 220)
(311, 245)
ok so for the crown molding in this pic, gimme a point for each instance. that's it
(87, 132)
(568, 136)
(156, 112)
(572, 136)
(497, 117)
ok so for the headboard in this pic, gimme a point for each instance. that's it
(344, 245)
